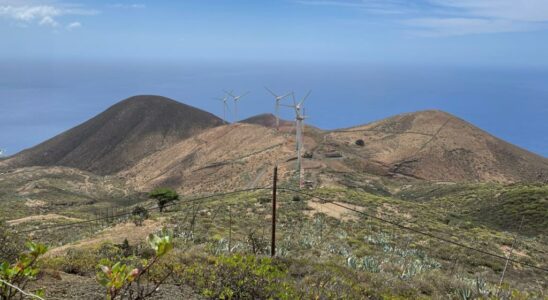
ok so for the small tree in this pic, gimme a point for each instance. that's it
(139, 214)
(360, 143)
(14, 277)
(164, 196)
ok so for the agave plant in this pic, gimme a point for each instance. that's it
(464, 293)
(370, 264)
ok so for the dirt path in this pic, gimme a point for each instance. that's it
(116, 234)
(334, 210)
(41, 218)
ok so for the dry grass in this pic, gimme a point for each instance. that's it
(116, 234)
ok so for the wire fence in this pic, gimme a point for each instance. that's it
(240, 221)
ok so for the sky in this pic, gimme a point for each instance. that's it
(486, 61)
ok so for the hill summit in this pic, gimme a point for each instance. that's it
(120, 136)
(435, 145)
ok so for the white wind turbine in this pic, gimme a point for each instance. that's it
(299, 128)
(278, 100)
(225, 107)
(236, 99)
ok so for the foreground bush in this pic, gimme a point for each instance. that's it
(240, 277)
(123, 281)
(18, 274)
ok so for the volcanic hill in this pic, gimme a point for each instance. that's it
(119, 137)
(267, 120)
(435, 145)
(153, 141)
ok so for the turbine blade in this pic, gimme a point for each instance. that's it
(284, 96)
(308, 94)
(229, 93)
(270, 91)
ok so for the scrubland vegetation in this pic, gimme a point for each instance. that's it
(220, 246)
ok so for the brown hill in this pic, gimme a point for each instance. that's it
(267, 120)
(428, 145)
(219, 159)
(435, 145)
(119, 137)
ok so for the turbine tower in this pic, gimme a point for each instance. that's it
(236, 99)
(299, 123)
(225, 107)
(278, 100)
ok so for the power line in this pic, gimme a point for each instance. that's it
(314, 196)
(418, 231)
(189, 201)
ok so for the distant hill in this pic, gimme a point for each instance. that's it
(435, 145)
(152, 140)
(120, 136)
(267, 120)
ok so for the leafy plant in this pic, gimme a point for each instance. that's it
(123, 281)
(240, 277)
(18, 274)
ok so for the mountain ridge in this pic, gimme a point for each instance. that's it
(429, 145)
(118, 137)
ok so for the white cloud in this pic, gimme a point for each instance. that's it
(513, 10)
(455, 17)
(48, 21)
(127, 6)
(74, 25)
(25, 12)
(437, 27)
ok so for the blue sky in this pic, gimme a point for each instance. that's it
(486, 61)
(500, 32)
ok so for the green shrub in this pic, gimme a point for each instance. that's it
(139, 214)
(240, 277)
(123, 281)
(20, 272)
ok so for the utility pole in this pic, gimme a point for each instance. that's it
(510, 253)
(274, 188)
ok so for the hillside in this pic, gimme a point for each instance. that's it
(376, 222)
(222, 158)
(119, 137)
(430, 145)
(434, 145)
(267, 120)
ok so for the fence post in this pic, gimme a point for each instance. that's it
(273, 242)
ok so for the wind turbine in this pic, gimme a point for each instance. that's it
(299, 121)
(236, 99)
(278, 100)
(225, 107)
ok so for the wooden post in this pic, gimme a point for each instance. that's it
(274, 188)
